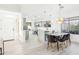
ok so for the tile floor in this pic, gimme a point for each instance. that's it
(34, 47)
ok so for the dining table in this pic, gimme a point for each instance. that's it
(57, 34)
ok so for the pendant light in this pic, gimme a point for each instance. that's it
(60, 19)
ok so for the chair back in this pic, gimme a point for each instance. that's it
(52, 38)
(67, 36)
(62, 39)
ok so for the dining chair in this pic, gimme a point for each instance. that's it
(52, 41)
(61, 41)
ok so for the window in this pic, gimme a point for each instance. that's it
(71, 25)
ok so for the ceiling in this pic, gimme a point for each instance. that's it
(48, 11)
